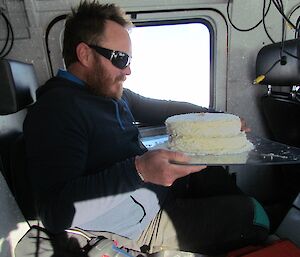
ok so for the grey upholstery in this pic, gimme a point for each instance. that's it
(18, 84)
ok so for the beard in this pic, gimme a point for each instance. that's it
(101, 83)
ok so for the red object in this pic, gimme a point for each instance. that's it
(242, 251)
(281, 248)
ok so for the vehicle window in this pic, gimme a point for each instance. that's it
(171, 62)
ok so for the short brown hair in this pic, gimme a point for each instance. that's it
(86, 24)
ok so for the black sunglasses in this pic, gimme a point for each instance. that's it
(119, 59)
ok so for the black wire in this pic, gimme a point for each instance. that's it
(267, 33)
(281, 10)
(264, 22)
(294, 10)
(273, 65)
(49, 27)
(249, 29)
(283, 41)
(9, 34)
(282, 36)
(279, 7)
(294, 56)
(297, 27)
(12, 39)
(278, 4)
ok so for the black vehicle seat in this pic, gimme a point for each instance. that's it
(280, 107)
(281, 112)
(17, 91)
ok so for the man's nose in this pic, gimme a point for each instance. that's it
(127, 70)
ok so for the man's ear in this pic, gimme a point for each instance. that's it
(84, 54)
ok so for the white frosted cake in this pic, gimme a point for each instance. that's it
(207, 133)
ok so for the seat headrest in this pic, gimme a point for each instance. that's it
(18, 83)
(279, 71)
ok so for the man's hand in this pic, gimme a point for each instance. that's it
(244, 126)
(156, 168)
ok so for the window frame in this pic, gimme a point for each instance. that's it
(189, 21)
(217, 25)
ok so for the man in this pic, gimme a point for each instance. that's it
(88, 168)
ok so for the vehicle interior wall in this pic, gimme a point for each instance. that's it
(236, 58)
(31, 18)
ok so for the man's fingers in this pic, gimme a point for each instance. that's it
(179, 157)
(196, 168)
(244, 126)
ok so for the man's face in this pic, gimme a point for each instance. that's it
(103, 77)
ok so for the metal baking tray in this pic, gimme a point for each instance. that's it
(265, 152)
